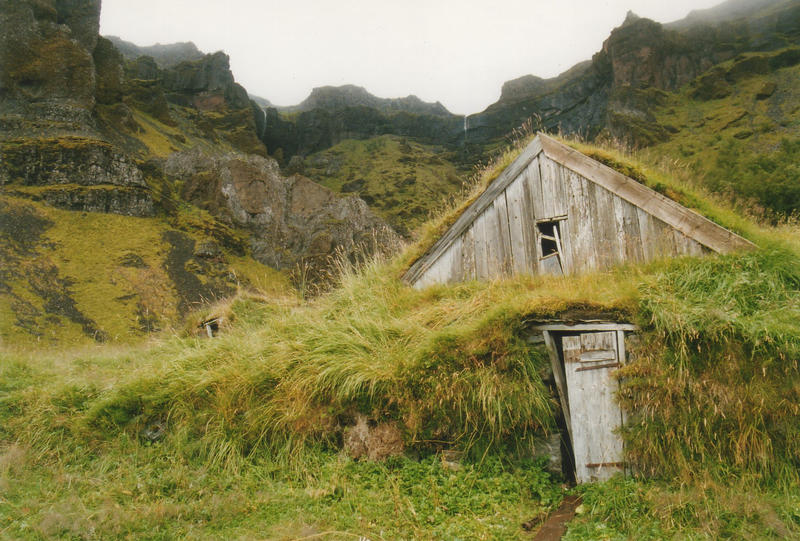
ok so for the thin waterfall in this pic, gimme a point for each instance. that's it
(466, 127)
(264, 129)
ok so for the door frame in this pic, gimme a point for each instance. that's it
(553, 332)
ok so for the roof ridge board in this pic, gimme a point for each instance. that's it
(481, 203)
(689, 222)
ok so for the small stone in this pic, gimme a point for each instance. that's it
(208, 250)
(155, 431)
(767, 90)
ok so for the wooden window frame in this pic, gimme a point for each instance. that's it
(556, 237)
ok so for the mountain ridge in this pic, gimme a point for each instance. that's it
(165, 55)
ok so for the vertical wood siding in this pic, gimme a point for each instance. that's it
(600, 230)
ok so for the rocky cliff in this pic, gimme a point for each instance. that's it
(145, 181)
(616, 92)
(290, 220)
(47, 71)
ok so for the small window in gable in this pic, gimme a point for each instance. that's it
(550, 238)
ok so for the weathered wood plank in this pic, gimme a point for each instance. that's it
(481, 248)
(534, 177)
(623, 360)
(605, 326)
(518, 226)
(664, 238)
(504, 235)
(560, 377)
(494, 245)
(559, 188)
(684, 220)
(468, 254)
(591, 249)
(562, 209)
(607, 239)
(547, 181)
(695, 248)
(554, 202)
(455, 260)
(621, 234)
(580, 225)
(648, 235)
(628, 221)
(551, 265)
(529, 214)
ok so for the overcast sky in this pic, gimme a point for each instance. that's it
(458, 52)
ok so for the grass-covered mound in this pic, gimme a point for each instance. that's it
(712, 394)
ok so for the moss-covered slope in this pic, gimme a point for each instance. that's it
(738, 126)
(403, 180)
(72, 277)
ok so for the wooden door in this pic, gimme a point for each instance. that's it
(589, 360)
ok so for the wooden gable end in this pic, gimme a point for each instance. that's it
(554, 210)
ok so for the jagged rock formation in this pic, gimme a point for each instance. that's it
(290, 219)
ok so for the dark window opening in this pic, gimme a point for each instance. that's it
(549, 238)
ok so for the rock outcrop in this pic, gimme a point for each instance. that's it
(75, 173)
(66, 160)
(290, 219)
(208, 81)
(47, 72)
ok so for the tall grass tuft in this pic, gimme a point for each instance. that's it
(715, 386)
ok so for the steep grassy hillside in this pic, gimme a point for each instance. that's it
(72, 277)
(241, 435)
(141, 258)
(403, 180)
(738, 126)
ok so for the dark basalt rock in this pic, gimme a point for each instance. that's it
(66, 160)
(210, 75)
(117, 200)
(47, 71)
